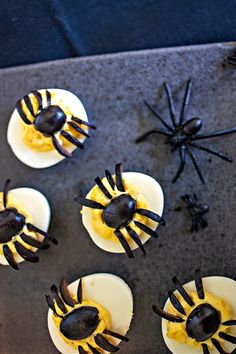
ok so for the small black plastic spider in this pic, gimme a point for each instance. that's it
(182, 135)
(78, 321)
(232, 59)
(12, 232)
(50, 121)
(204, 320)
(196, 211)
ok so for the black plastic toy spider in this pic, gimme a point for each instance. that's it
(232, 59)
(50, 121)
(80, 321)
(197, 211)
(203, 322)
(120, 211)
(12, 232)
(182, 134)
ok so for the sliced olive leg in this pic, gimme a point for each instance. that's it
(21, 113)
(176, 303)
(135, 238)
(80, 292)
(146, 229)
(119, 179)
(9, 257)
(151, 215)
(110, 179)
(72, 139)
(51, 305)
(103, 343)
(57, 299)
(124, 243)
(78, 129)
(182, 291)
(89, 203)
(26, 254)
(33, 242)
(103, 188)
(34, 228)
(38, 96)
(5, 192)
(65, 294)
(60, 149)
(167, 316)
(199, 284)
(115, 335)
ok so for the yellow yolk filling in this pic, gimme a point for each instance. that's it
(14, 203)
(104, 323)
(178, 332)
(36, 140)
(97, 221)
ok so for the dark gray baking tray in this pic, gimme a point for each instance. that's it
(112, 88)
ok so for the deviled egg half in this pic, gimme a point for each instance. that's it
(24, 222)
(46, 126)
(122, 211)
(200, 316)
(91, 315)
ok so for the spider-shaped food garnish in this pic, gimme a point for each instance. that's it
(120, 210)
(196, 211)
(198, 318)
(82, 323)
(183, 135)
(52, 121)
(18, 235)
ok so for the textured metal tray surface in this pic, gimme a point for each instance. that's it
(112, 88)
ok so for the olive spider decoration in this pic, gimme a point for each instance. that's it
(13, 231)
(79, 322)
(196, 210)
(202, 322)
(120, 210)
(50, 120)
(183, 135)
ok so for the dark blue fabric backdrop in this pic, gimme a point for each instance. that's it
(35, 31)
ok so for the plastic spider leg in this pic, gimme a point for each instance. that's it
(182, 155)
(192, 156)
(151, 132)
(194, 226)
(203, 223)
(214, 134)
(60, 149)
(5, 192)
(170, 104)
(158, 117)
(211, 151)
(186, 100)
(72, 139)
(38, 96)
(135, 238)
(232, 60)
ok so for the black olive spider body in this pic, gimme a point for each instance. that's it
(184, 135)
(51, 120)
(12, 225)
(120, 211)
(203, 322)
(78, 321)
(196, 210)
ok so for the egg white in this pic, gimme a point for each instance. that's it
(153, 194)
(38, 206)
(109, 291)
(43, 159)
(222, 287)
